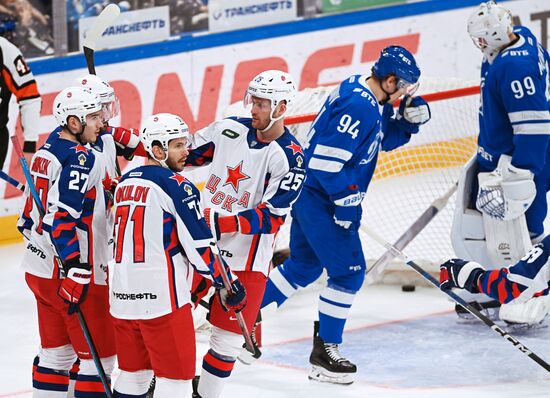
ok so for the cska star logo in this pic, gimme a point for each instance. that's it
(79, 148)
(235, 175)
(295, 148)
(178, 178)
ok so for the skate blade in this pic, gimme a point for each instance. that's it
(467, 318)
(319, 373)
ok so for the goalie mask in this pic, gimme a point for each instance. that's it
(109, 100)
(275, 86)
(490, 27)
(75, 101)
(160, 129)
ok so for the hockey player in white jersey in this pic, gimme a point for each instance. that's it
(256, 173)
(67, 177)
(160, 237)
(341, 152)
(508, 179)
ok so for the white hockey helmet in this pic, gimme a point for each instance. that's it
(162, 128)
(490, 26)
(273, 85)
(109, 100)
(75, 101)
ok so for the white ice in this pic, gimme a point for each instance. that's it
(405, 345)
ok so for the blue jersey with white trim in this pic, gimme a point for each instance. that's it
(514, 116)
(344, 140)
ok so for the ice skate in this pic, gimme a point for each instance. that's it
(328, 365)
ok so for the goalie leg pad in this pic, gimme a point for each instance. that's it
(468, 234)
(531, 312)
(478, 237)
(507, 241)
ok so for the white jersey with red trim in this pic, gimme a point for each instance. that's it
(159, 234)
(67, 178)
(256, 181)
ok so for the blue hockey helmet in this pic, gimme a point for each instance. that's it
(397, 61)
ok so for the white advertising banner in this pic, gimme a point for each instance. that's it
(199, 85)
(131, 28)
(226, 15)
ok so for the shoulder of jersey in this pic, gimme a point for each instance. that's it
(244, 121)
(233, 126)
(525, 54)
(170, 182)
(353, 90)
(68, 152)
(292, 149)
(52, 138)
(9, 50)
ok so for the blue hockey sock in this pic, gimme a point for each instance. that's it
(278, 288)
(334, 306)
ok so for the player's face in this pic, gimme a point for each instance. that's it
(178, 150)
(94, 123)
(261, 112)
(397, 88)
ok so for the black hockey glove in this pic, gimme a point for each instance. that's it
(461, 274)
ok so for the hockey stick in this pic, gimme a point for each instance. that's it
(105, 19)
(81, 319)
(495, 328)
(227, 285)
(12, 181)
(374, 272)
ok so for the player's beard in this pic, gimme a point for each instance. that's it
(177, 164)
(258, 124)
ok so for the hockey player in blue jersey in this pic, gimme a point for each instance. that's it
(341, 153)
(508, 179)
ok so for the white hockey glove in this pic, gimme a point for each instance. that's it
(348, 211)
(507, 192)
(414, 110)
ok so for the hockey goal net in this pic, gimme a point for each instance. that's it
(408, 179)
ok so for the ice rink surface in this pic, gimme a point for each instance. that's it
(405, 345)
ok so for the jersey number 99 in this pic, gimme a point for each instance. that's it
(520, 88)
